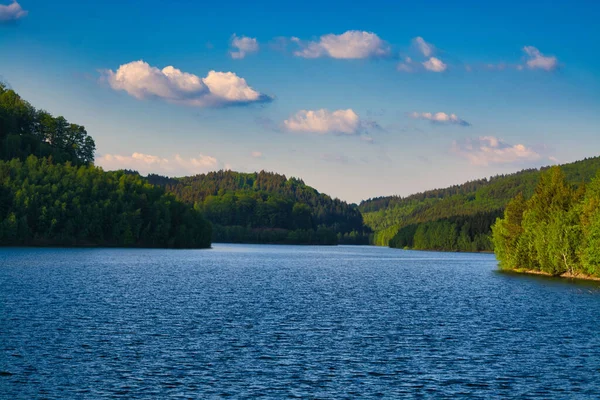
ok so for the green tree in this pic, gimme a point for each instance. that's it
(590, 224)
(507, 233)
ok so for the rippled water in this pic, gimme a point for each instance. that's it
(285, 321)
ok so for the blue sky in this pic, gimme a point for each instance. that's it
(358, 100)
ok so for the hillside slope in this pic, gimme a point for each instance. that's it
(265, 207)
(445, 212)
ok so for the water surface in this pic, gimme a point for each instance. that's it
(287, 321)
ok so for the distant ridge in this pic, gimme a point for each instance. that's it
(474, 202)
(266, 207)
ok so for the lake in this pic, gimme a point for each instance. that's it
(290, 321)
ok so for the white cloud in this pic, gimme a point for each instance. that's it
(432, 64)
(407, 66)
(217, 89)
(231, 88)
(435, 65)
(243, 46)
(439, 118)
(12, 12)
(202, 162)
(487, 150)
(536, 60)
(348, 45)
(323, 121)
(425, 48)
(256, 154)
(146, 163)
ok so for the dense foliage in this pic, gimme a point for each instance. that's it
(51, 194)
(265, 207)
(482, 200)
(458, 233)
(25, 130)
(556, 231)
(42, 203)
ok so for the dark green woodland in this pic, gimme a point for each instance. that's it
(52, 194)
(265, 207)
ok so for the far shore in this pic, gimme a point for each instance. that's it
(440, 251)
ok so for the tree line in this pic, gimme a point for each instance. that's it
(556, 231)
(265, 207)
(470, 233)
(52, 194)
(25, 130)
(43, 203)
(388, 216)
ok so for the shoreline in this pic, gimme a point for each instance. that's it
(566, 275)
(438, 251)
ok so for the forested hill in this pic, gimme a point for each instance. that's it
(25, 131)
(265, 207)
(458, 217)
(52, 194)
